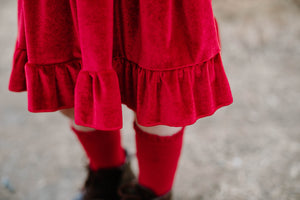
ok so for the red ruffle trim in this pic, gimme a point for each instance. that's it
(51, 87)
(95, 96)
(98, 100)
(17, 81)
(175, 97)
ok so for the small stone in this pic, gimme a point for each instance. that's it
(6, 183)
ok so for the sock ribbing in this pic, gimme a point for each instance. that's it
(103, 148)
(158, 158)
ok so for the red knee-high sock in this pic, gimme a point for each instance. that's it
(158, 158)
(103, 148)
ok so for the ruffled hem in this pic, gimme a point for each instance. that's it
(17, 81)
(51, 87)
(174, 97)
(98, 100)
(95, 96)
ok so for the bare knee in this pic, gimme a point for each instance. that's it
(70, 114)
(82, 128)
(161, 130)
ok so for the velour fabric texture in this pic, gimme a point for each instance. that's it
(158, 158)
(103, 148)
(157, 57)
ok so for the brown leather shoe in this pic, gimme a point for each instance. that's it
(134, 191)
(103, 184)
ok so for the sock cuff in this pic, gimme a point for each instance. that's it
(157, 138)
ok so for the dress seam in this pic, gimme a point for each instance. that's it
(169, 69)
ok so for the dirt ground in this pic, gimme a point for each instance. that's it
(249, 150)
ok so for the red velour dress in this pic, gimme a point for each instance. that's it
(161, 58)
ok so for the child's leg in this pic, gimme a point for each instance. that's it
(158, 152)
(103, 148)
(70, 114)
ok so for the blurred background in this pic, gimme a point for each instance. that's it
(249, 150)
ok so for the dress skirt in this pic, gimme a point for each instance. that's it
(160, 58)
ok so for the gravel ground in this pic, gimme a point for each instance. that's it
(249, 150)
